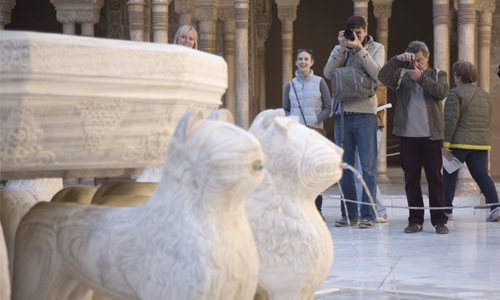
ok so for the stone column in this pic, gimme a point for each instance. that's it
(184, 8)
(241, 13)
(466, 29)
(6, 7)
(207, 16)
(441, 14)
(147, 21)
(287, 14)
(466, 48)
(263, 20)
(361, 8)
(136, 19)
(85, 12)
(382, 11)
(486, 9)
(227, 16)
(160, 20)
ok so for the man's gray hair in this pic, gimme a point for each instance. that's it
(418, 46)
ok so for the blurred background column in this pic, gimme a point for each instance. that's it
(287, 13)
(160, 20)
(263, 20)
(225, 13)
(136, 19)
(382, 11)
(241, 13)
(6, 7)
(206, 14)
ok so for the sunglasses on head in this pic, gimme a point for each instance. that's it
(306, 50)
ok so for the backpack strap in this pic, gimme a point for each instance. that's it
(403, 73)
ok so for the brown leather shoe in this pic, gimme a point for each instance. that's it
(412, 227)
(441, 228)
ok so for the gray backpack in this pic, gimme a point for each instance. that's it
(349, 84)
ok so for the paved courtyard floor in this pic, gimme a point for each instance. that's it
(385, 263)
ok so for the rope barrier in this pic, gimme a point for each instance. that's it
(390, 147)
(412, 207)
(392, 154)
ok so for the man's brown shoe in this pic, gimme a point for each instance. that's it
(441, 228)
(412, 227)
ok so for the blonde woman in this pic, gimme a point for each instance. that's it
(187, 36)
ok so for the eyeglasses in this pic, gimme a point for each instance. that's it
(306, 50)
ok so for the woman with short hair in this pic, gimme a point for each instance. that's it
(467, 135)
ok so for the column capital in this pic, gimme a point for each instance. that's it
(486, 5)
(241, 13)
(6, 7)
(263, 23)
(225, 14)
(78, 11)
(206, 13)
(287, 13)
(382, 9)
(441, 12)
(184, 6)
(361, 8)
(466, 12)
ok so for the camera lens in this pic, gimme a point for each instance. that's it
(349, 34)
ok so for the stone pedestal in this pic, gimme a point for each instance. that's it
(115, 103)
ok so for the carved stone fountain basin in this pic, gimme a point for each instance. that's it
(88, 107)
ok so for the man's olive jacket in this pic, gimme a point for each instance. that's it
(435, 91)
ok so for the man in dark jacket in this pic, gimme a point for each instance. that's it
(419, 123)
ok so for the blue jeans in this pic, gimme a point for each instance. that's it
(381, 209)
(477, 162)
(359, 130)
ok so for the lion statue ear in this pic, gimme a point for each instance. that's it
(264, 119)
(222, 115)
(185, 126)
(278, 132)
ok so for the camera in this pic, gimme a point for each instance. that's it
(349, 34)
(410, 64)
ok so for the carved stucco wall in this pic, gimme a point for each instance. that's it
(117, 19)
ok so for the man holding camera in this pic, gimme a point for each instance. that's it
(356, 49)
(419, 123)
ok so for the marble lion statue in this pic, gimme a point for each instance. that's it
(190, 240)
(16, 199)
(294, 245)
